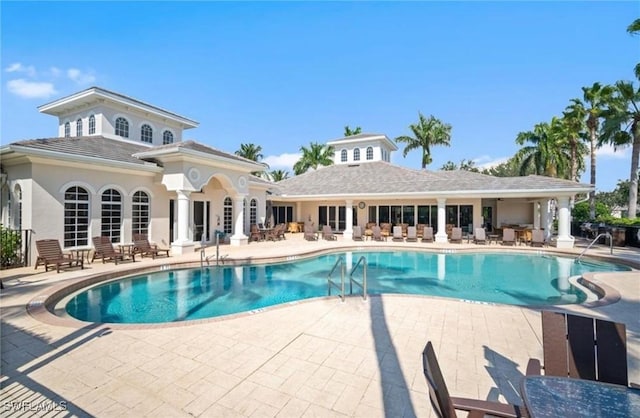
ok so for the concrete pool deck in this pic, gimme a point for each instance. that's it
(316, 358)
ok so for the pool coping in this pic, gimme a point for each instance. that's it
(42, 306)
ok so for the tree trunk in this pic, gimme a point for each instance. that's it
(574, 165)
(633, 178)
(592, 194)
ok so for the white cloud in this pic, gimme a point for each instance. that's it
(17, 67)
(282, 161)
(80, 77)
(608, 151)
(31, 89)
(490, 163)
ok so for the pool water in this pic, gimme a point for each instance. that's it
(179, 295)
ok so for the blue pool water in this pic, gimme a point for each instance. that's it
(179, 295)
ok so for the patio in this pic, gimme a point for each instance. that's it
(313, 358)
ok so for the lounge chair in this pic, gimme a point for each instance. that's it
(50, 254)
(445, 405)
(480, 236)
(327, 233)
(537, 238)
(412, 234)
(309, 233)
(420, 230)
(508, 236)
(105, 250)
(377, 233)
(144, 248)
(397, 233)
(582, 347)
(357, 233)
(456, 235)
(427, 234)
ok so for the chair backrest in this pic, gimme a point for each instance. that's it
(326, 231)
(411, 232)
(377, 233)
(49, 249)
(438, 393)
(584, 347)
(357, 231)
(397, 231)
(537, 235)
(508, 234)
(456, 233)
(103, 245)
(255, 229)
(385, 226)
(141, 241)
(480, 234)
(428, 233)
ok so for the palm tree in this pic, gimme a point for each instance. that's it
(426, 133)
(350, 132)
(634, 29)
(573, 126)
(277, 175)
(549, 154)
(596, 97)
(254, 153)
(622, 127)
(313, 157)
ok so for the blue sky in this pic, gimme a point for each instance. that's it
(284, 74)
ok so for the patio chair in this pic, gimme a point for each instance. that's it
(445, 405)
(357, 233)
(280, 230)
(144, 248)
(309, 233)
(105, 250)
(412, 234)
(420, 230)
(508, 236)
(427, 234)
(480, 236)
(255, 234)
(327, 233)
(537, 238)
(397, 233)
(377, 233)
(385, 230)
(582, 347)
(50, 254)
(456, 235)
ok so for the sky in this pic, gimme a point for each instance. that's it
(284, 74)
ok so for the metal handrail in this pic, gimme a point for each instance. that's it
(606, 235)
(339, 262)
(362, 285)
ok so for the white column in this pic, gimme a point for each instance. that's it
(545, 218)
(441, 235)
(565, 240)
(348, 230)
(183, 244)
(238, 237)
(536, 214)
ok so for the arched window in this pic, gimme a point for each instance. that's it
(228, 215)
(92, 125)
(79, 127)
(122, 127)
(76, 217)
(111, 214)
(167, 138)
(253, 212)
(369, 153)
(356, 154)
(343, 155)
(140, 213)
(146, 134)
(67, 130)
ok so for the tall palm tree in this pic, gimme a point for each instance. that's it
(427, 132)
(350, 132)
(254, 153)
(548, 154)
(573, 122)
(313, 157)
(596, 98)
(277, 175)
(622, 127)
(634, 29)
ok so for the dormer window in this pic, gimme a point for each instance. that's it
(369, 153)
(122, 127)
(92, 125)
(343, 156)
(356, 154)
(79, 127)
(167, 138)
(67, 130)
(146, 133)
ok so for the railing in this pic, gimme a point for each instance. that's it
(15, 247)
(330, 283)
(604, 234)
(206, 259)
(361, 262)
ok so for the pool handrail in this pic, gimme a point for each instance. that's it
(339, 262)
(362, 260)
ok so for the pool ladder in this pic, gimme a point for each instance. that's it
(362, 261)
(604, 234)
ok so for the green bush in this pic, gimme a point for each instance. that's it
(610, 220)
(9, 246)
(580, 212)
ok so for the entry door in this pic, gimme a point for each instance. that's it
(201, 211)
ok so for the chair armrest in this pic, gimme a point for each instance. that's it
(533, 367)
(488, 407)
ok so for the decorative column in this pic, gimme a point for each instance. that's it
(238, 237)
(545, 218)
(348, 230)
(183, 245)
(441, 235)
(565, 240)
(536, 214)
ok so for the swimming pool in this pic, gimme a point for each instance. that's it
(187, 294)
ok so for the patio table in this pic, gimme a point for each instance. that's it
(550, 396)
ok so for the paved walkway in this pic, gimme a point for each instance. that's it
(317, 358)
